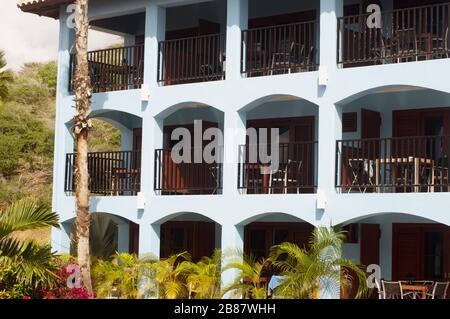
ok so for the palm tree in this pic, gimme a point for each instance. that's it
(123, 275)
(203, 277)
(5, 77)
(320, 269)
(82, 125)
(102, 237)
(167, 278)
(31, 264)
(247, 283)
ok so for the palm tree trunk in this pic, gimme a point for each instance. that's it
(83, 92)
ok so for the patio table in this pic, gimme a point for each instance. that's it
(410, 160)
(422, 289)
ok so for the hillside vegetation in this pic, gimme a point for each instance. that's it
(27, 116)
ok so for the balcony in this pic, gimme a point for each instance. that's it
(110, 173)
(173, 178)
(114, 69)
(192, 59)
(393, 165)
(295, 173)
(406, 35)
(282, 49)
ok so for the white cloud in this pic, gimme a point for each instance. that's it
(29, 38)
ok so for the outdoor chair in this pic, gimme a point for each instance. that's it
(283, 60)
(441, 44)
(407, 45)
(380, 291)
(286, 176)
(392, 290)
(439, 290)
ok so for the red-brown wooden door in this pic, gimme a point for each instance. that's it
(421, 252)
(187, 177)
(133, 238)
(370, 247)
(196, 238)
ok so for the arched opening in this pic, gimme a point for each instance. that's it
(114, 158)
(108, 235)
(281, 150)
(190, 161)
(394, 139)
(404, 246)
(264, 231)
(189, 232)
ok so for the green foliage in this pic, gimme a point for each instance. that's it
(250, 271)
(48, 73)
(104, 137)
(167, 278)
(203, 277)
(103, 237)
(25, 263)
(5, 77)
(23, 140)
(122, 277)
(320, 269)
(34, 84)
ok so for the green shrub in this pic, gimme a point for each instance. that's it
(22, 138)
(34, 84)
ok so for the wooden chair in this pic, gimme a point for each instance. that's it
(283, 59)
(282, 176)
(442, 44)
(407, 45)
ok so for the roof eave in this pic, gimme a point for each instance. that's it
(47, 8)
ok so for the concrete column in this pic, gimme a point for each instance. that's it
(63, 139)
(155, 31)
(329, 11)
(237, 20)
(152, 134)
(234, 135)
(149, 239)
(124, 237)
(232, 239)
(330, 130)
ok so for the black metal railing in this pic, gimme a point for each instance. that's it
(412, 34)
(295, 173)
(110, 173)
(289, 48)
(113, 69)
(392, 165)
(173, 178)
(193, 59)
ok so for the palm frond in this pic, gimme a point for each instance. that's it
(26, 215)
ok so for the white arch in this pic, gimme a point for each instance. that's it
(279, 217)
(371, 89)
(367, 215)
(170, 217)
(254, 103)
(167, 111)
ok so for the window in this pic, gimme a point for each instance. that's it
(349, 122)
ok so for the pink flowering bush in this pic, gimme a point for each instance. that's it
(68, 284)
